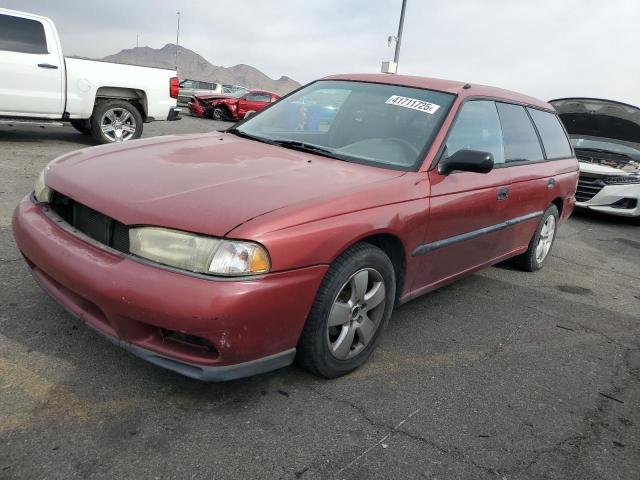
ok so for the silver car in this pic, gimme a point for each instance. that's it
(189, 88)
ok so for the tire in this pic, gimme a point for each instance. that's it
(333, 351)
(83, 126)
(219, 113)
(530, 261)
(110, 112)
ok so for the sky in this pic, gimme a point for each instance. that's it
(544, 48)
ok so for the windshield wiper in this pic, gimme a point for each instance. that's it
(240, 133)
(307, 147)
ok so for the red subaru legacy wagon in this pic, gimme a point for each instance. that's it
(293, 235)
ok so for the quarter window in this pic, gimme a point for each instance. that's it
(477, 127)
(22, 35)
(520, 139)
(555, 141)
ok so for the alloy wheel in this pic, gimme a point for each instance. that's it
(118, 125)
(356, 313)
(546, 238)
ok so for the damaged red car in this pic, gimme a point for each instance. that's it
(236, 108)
(293, 235)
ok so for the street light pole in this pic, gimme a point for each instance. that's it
(392, 67)
(396, 57)
(177, 40)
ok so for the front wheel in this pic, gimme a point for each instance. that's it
(219, 113)
(116, 121)
(350, 311)
(541, 242)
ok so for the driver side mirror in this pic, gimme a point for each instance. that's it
(466, 161)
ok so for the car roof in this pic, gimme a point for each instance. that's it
(462, 89)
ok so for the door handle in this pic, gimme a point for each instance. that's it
(48, 65)
(503, 193)
(551, 183)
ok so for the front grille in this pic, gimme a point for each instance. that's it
(588, 187)
(92, 223)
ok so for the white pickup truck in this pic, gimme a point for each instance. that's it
(109, 101)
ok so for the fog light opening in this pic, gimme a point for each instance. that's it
(625, 203)
(189, 340)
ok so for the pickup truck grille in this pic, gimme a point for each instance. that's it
(94, 224)
(588, 187)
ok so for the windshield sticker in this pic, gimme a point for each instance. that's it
(413, 103)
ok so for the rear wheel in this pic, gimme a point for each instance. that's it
(350, 311)
(116, 121)
(541, 242)
(83, 126)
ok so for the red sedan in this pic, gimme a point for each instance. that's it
(296, 233)
(232, 108)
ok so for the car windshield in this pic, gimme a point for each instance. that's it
(378, 124)
(627, 148)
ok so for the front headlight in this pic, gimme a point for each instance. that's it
(41, 191)
(198, 253)
(621, 179)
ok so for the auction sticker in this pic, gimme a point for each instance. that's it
(413, 103)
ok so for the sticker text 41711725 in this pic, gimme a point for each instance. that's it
(413, 103)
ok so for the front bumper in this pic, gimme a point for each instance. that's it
(174, 114)
(253, 325)
(612, 194)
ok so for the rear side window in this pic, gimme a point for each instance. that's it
(520, 139)
(555, 141)
(259, 97)
(22, 35)
(477, 127)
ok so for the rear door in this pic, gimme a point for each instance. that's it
(539, 157)
(31, 68)
(466, 208)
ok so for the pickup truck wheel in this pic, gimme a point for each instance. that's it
(541, 242)
(83, 126)
(350, 311)
(116, 121)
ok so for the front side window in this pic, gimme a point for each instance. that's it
(383, 125)
(22, 35)
(555, 141)
(477, 127)
(521, 142)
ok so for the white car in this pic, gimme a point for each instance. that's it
(606, 138)
(38, 85)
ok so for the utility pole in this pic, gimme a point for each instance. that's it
(177, 40)
(392, 67)
(137, 43)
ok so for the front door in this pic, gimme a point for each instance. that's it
(467, 210)
(252, 102)
(31, 68)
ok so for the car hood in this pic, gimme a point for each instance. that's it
(602, 120)
(599, 118)
(207, 183)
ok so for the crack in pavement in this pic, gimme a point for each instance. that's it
(453, 452)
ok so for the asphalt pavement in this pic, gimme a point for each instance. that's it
(502, 375)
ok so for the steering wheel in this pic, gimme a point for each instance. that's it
(401, 141)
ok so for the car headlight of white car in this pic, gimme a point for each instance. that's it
(40, 190)
(621, 179)
(199, 253)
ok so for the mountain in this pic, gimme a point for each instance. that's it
(194, 66)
